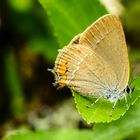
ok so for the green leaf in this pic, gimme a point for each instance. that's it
(70, 18)
(100, 112)
(14, 85)
(46, 46)
(52, 135)
(122, 128)
(21, 5)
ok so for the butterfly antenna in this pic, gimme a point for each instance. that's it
(130, 95)
(131, 92)
(133, 88)
(126, 101)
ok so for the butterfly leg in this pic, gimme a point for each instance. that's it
(130, 96)
(126, 101)
(94, 102)
(113, 108)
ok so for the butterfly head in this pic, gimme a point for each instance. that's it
(114, 94)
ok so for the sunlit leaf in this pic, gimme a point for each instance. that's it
(70, 18)
(100, 112)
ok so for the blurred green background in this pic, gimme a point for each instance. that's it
(30, 38)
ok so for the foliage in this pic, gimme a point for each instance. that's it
(43, 34)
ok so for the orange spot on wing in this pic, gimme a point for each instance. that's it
(62, 81)
(61, 69)
(64, 77)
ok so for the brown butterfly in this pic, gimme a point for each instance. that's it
(95, 63)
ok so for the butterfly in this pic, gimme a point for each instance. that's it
(95, 63)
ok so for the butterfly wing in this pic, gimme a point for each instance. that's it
(106, 38)
(95, 60)
(84, 71)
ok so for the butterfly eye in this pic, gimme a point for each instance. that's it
(128, 90)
